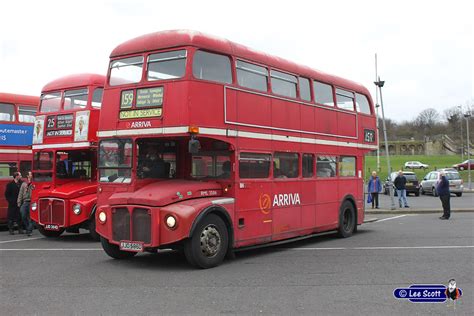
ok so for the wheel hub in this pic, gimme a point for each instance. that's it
(210, 241)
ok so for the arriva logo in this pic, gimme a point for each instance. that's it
(286, 199)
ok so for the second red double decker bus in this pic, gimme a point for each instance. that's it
(209, 146)
(65, 155)
(17, 115)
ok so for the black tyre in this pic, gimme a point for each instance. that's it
(50, 233)
(347, 220)
(208, 245)
(459, 194)
(92, 232)
(417, 193)
(114, 250)
(422, 191)
(433, 190)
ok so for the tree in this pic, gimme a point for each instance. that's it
(427, 119)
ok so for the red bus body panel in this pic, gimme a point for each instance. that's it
(14, 152)
(72, 191)
(250, 121)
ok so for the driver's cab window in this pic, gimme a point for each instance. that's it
(156, 159)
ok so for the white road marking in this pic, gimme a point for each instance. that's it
(52, 249)
(381, 248)
(389, 218)
(24, 239)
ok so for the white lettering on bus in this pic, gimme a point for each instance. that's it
(140, 124)
(286, 199)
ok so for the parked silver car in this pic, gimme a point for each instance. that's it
(429, 182)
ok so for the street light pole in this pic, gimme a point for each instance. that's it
(462, 140)
(468, 116)
(377, 115)
(380, 84)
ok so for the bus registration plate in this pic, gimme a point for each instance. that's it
(51, 227)
(131, 246)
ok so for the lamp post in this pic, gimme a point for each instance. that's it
(379, 83)
(468, 116)
(462, 140)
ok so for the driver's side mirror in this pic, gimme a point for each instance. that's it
(425, 178)
(194, 146)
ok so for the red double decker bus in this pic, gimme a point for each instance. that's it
(65, 155)
(209, 146)
(17, 115)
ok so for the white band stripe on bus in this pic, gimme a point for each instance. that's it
(65, 145)
(15, 151)
(232, 133)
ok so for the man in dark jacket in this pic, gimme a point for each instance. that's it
(11, 194)
(400, 184)
(442, 189)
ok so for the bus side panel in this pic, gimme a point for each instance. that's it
(286, 206)
(325, 121)
(248, 108)
(253, 209)
(347, 124)
(308, 203)
(286, 114)
(327, 208)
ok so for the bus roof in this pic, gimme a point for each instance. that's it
(75, 80)
(179, 38)
(19, 99)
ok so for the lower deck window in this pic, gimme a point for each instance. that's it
(347, 167)
(326, 166)
(254, 165)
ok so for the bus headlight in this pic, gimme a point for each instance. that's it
(170, 221)
(34, 206)
(102, 217)
(76, 208)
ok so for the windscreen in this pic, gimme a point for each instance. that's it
(115, 161)
(74, 164)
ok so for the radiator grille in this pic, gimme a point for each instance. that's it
(51, 211)
(120, 224)
(141, 220)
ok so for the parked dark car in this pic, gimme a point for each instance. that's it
(464, 165)
(412, 185)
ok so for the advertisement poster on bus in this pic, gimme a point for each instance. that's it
(15, 135)
(81, 127)
(38, 130)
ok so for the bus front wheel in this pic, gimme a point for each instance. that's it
(347, 220)
(114, 250)
(208, 245)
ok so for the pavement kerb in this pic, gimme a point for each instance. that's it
(416, 211)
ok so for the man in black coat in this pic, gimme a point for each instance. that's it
(442, 189)
(11, 194)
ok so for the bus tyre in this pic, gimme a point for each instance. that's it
(114, 251)
(92, 231)
(208, 245)
(347, 220)
(50, 233)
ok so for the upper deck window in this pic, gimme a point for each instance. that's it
(345, 99)
(127, 70)
(283, 84)
(362, 104)
(168, 65)
(213, 67)
(26, 113)
(251, 76)
(50, 102)
(75, 99)
(323, 93)
(305, 93)
(97, 98)
(7, 112)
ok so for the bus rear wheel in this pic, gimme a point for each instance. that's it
(92, 231)
(50, 233)
(114, 250)
(347, 220)
(208, 245)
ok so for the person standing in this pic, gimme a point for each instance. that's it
(11, 195)
(24, 199)
(374, 188)
(400, 184)
(444, 195)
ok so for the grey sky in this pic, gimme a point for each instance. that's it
(425, 48)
